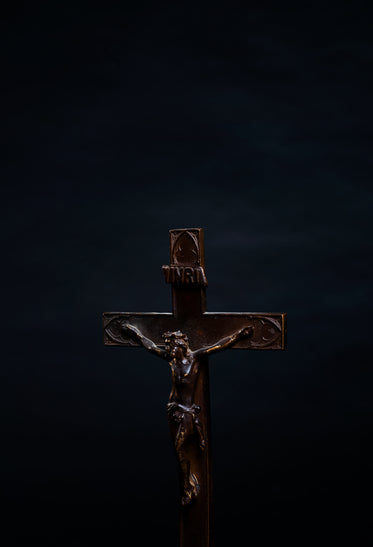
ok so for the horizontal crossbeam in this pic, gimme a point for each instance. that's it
(269, 329)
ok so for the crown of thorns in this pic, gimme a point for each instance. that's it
(177, 334)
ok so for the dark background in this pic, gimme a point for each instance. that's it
(252, 121)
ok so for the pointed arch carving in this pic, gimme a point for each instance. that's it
(185, 250)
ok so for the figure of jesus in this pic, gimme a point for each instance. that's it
(181, 409)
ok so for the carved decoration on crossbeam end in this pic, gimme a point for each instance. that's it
(267, 332)
(114, 333)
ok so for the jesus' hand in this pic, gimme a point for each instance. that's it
(245, 332)
(132, 330)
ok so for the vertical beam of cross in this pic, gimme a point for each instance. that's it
(198, 333)
(187, 275)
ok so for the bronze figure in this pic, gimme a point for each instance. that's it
(181, 408)
(186, 337)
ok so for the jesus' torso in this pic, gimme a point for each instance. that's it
(184, 376)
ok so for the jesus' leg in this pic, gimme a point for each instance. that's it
(190, 483)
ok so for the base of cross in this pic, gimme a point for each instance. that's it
(185, 338)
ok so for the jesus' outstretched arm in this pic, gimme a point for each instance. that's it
(146, 342)
(225, 342)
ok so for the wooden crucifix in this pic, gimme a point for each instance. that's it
(185, 338)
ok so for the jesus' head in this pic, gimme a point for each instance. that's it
(176, 343)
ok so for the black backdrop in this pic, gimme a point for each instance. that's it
(122, 122)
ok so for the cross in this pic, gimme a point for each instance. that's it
(185, 338)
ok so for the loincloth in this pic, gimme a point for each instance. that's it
(178, 412)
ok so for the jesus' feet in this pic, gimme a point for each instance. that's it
(191, 490)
